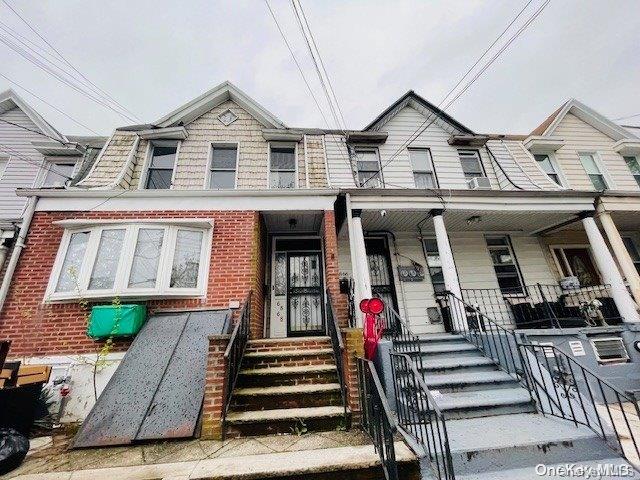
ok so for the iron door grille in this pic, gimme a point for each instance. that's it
(305, 315)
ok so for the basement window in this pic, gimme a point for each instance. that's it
(134, 260)
(610, 350)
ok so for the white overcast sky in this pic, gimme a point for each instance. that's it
(154, 55)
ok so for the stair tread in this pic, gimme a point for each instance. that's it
(288, 389)
(288, 353)
(453, 362)
(287, 370)
(270, 341)
(448, 347)
(479, 399)
(467, 378)
(284, 414)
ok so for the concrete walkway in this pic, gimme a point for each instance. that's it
(252, 457)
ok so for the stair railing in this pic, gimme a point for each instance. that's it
(418, 413)
(235, 351)
(404, 340)
(495, 341)
(333, 328)
(567, 389)
(377, 420)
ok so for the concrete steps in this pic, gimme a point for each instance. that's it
(485, 403)
(467, 381)
(442, 364)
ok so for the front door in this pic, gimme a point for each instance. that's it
(297, 290)
(380, 271)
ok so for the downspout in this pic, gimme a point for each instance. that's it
(17, 249)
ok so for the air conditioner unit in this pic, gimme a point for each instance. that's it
(479, 183)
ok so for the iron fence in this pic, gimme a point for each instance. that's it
(418, 413)
(377, 419)
(546, 306)
(338, 348)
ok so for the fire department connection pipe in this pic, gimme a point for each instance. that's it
(17, 250)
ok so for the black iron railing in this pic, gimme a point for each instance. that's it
(565, 388)
(351, 303)
(377, 419)
(404, 340)
(495, 341)
(235, 351)
(546, 306)
(333, 328)
(418, 413)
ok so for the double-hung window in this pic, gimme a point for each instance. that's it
(548, 167)
(633, 251)
(368, 165)
(161, 165)
(222, 175)
(4, 161)
(471, 164)
(593, 170)
(634, 166)
(282, 168)
(142, 260)
(434, 264)
(57, 173)
(504, 264)
(422, 165)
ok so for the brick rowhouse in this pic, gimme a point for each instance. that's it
(38, 328)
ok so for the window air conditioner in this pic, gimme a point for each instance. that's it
(479, 183)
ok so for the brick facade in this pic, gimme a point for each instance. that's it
(353, 348)
(332, 270)
(37, 328)
(212, 405)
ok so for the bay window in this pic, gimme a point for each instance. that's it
(132, 259)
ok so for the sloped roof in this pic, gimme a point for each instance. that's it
(406, 99)
(211, 99)
(584, 113)
(10, 100)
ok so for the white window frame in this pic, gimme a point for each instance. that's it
(431, 164)
(635, 176)
(514, 260)
(480, 162)
(207, 175)
(271, 145)
(48, 163)
(376, 150)
(125, 262)
(600, 164)
(554, 163)
(142, 184)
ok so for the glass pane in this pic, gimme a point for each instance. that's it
(222, 179)
(104, 269)
(146, 257)
(282, 179)
(159, 179)
(68, 278)
(497, 241)
(471, 166)
(186, 259)
(433, 260)
(420, 159)
(598, 182)
(369, 179)
(582, 266)
(57, 174)
(545, 163)
(632, 163)
(589, 164)
(430, 245)
(367, 156)
(555, 178)
(424, 180)
(163, 157)
(224, 157)
(283, 159)
(501, 256)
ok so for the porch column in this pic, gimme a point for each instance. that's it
(360, 264)
(609, 271)
(622, 254)
(449, 272)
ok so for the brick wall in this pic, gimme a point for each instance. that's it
(256, 328)
(36, 328)
(353, 348)
(332, 271)
(212, 404)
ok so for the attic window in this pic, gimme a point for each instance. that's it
(227, 117)
(610, 350)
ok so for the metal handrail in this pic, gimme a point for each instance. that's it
(419, 414)
(571, 396)
(234, 353)
(377, 419)
(338, 348)
(404, 340)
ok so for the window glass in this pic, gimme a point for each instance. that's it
(434, 264)
(3, 164)
(595, 175)
(68, 279)
(471, 164)
(186, 259)
(223, 168)
(368, 166)
(504, 264)
(146, 257)
(103, 276)
(422, 165)
(57, 174)
(161, 166)
(283, 168)
(634, 166)
(580, 265)
(548, 167)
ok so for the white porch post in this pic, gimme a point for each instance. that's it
(360, 265)
(609, 271)
(449, 271)
(622, 254)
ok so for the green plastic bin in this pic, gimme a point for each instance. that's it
(121, 321)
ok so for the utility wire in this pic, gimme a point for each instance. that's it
(34, 131)
(38, 162)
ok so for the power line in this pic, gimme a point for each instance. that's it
(88, 82)
(33, 131)
(13, 82)
(40, 163)
(628, 116)
(422, 128)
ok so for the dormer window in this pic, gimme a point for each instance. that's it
(549, 167)
(161, 166)
(471, 164)
(282, 167)
(224, 159)
(57, 173)
(593, 170)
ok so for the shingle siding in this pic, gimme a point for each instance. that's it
(111, 160)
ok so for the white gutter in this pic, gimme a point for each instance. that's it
(17, 249)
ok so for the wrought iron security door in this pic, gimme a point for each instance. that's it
(305, 315)
(381, 275)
